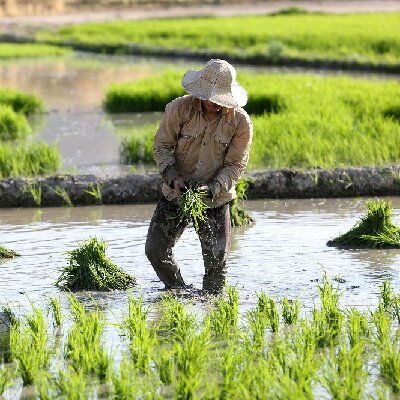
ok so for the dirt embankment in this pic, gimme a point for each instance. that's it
(131, 189)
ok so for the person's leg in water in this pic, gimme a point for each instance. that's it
(215, 239)
(164, 232)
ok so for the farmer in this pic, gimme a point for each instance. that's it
(204, 136)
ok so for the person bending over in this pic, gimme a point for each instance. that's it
(204, 136)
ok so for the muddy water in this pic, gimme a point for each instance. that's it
(284, 253)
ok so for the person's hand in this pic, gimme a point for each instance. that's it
(179, 185)
(211, 189)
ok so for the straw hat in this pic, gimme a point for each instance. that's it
(216, 82)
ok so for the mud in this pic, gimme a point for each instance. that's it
(144, 188)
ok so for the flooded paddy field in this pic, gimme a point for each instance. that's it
(284, 253)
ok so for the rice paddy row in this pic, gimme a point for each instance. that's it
(31, 50)
(276, 350)
(17, 158)
(299, 121)
(361, 38)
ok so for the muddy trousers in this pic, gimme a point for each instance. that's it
(215, 239)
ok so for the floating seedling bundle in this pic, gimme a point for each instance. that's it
(376, 229)
(90, 269)
(6, 253)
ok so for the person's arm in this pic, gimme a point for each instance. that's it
(164, 146)
(236, 158)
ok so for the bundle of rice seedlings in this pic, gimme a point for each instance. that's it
(90, 269)
(6, 253)
(191, 205)
(239, 216)
(376, 229)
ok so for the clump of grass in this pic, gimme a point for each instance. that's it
(290, 310)
(96, 193)
(35, 190)
(239, 216)
(389, 359)
(89, 269)
(7, 253)
(12, 125)
(357, 327)
(21, 102)
(30, 160)
(376, 229)
(55, 307)
(62, 193)
(268, 306)
(191, 206)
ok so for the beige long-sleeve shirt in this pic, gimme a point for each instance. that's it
(202, 149)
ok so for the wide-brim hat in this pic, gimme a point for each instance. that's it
(216, 82)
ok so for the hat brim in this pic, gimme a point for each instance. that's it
(237, 97)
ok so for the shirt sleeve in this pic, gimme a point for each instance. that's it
(167, 137)
(238, 154)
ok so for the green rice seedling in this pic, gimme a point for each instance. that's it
(191, 206)
(396, 307)
(165, 365)
(55, 306)
(30, 351)
(176, 322)
(89, 269)
(387, 295)
(138, 147)
(324, 332)
(96, 192)
(28, 160)
(78, 310)
(6, 378)
(223, 317)
(71, 384)
(62, 193)
(31, 50)
(389, 363)
(376, 229)
(346, 375)
(20, 102)
(45, 386)
(7, 253)
(257, 322)
(318, 36)
(125, 382)
(142, 337)
(392, 112)
(239, 216)
(35, 190)
(267, 306)
(357, 327)
(382, 321)
(191, 356)
(12, 125)
(290, 310)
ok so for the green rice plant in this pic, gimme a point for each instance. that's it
(45, 386)
(89, 269)
(29, 347)
(142, 337)
(191, 356)
(11, 319)
(55, 306)
(389, 363)
(28, 160)
(35, 190)
(223, 316)
(387, 295)
(382, 321)
(257, 323)
(31, 50)
(7, 253)
(346, 375)
(176, 323)
(318, 36)
(396, 307)
(12, 125)
(138, 147)
(78, 310)
(6, 378)
(290, 310)
(71, 384)
(357, 327)
(164, 361)
(125, 385)
(62, 193)
(20, 102)
(191, 206)
(376, 229)
(268, 306)
(96, 192)
(392, 112)
(239, 216)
